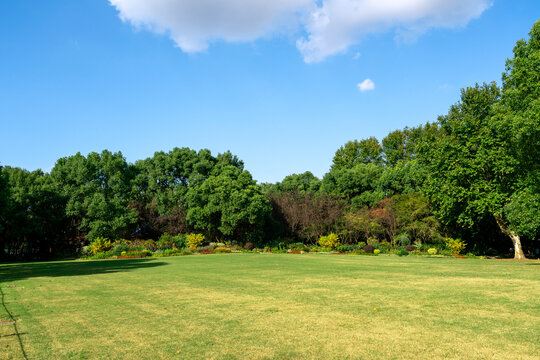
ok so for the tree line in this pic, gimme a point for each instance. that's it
(472, 174)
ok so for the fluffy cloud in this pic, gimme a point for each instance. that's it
(366, 85)
(329, 26)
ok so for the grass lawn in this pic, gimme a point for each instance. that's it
(251, 306)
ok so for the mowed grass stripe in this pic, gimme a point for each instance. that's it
(250, 306)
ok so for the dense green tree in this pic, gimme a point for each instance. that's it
(4, 197)
(301, 183)
(34, 215)
(358, 184)
(519, 111)
(229, 203)
(367, 151)
(472, 170)
(97, 189)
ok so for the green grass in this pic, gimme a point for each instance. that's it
(251, 306)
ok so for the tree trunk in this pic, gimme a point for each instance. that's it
(518, 251)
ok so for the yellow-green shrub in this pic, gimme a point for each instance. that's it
(330, 241)
(222, 250)
(432, 251)
(100, 244)
(455, 245)
(376, 251)
(194, 240)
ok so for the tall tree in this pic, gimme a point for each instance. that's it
(367, 151)
(472, 170)
(520, 112)
(98, 189)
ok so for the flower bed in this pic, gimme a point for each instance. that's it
(129, 256)
(206, 252)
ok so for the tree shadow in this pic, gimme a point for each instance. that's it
(21, 271)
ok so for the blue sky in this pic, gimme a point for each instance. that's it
(274, 86)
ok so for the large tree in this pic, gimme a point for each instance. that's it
(97, 189)
(366, 151)
(472, 170)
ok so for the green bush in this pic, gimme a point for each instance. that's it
(168, 241)
(103, 255)
(222, 250)
(403, 253)
(455, 245)
(403, 239)
(86, 251)
(330, 241)
(145, 253)
(119, 248)
(100, 245)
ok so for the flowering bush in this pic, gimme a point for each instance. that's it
(376, 251)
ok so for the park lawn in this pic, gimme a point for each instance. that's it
(253, 306)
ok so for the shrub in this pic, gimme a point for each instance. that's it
(409, 248)
(222, 250)
(418, 245)
(329, 241)
(99, 245)
(123, 253)
(403, 253)
(403, 239)
(376, 251)
(432, 251)
(249, 246)
(369, 249)
(120, 247)
(145, 253)
(103, 255)
(86, 251)
(296, 246)
(207, 248)
(194, 240)
(455, 245)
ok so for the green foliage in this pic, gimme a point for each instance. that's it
(403, 253)
(168, 241)
(455, 245)
(222, 250)
(330, 241)
(523, 212)
(367, 151)
(376, 251)
(432, 251)
(194, 240)
(97, 189)
(100, 244)
(228, 204)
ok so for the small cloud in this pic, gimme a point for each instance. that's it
(357, 56)
(366, 85)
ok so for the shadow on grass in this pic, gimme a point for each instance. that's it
(20, 271)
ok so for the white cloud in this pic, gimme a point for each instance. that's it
(366, 85)
(330, 26)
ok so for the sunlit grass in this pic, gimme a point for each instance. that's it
(250, 306)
